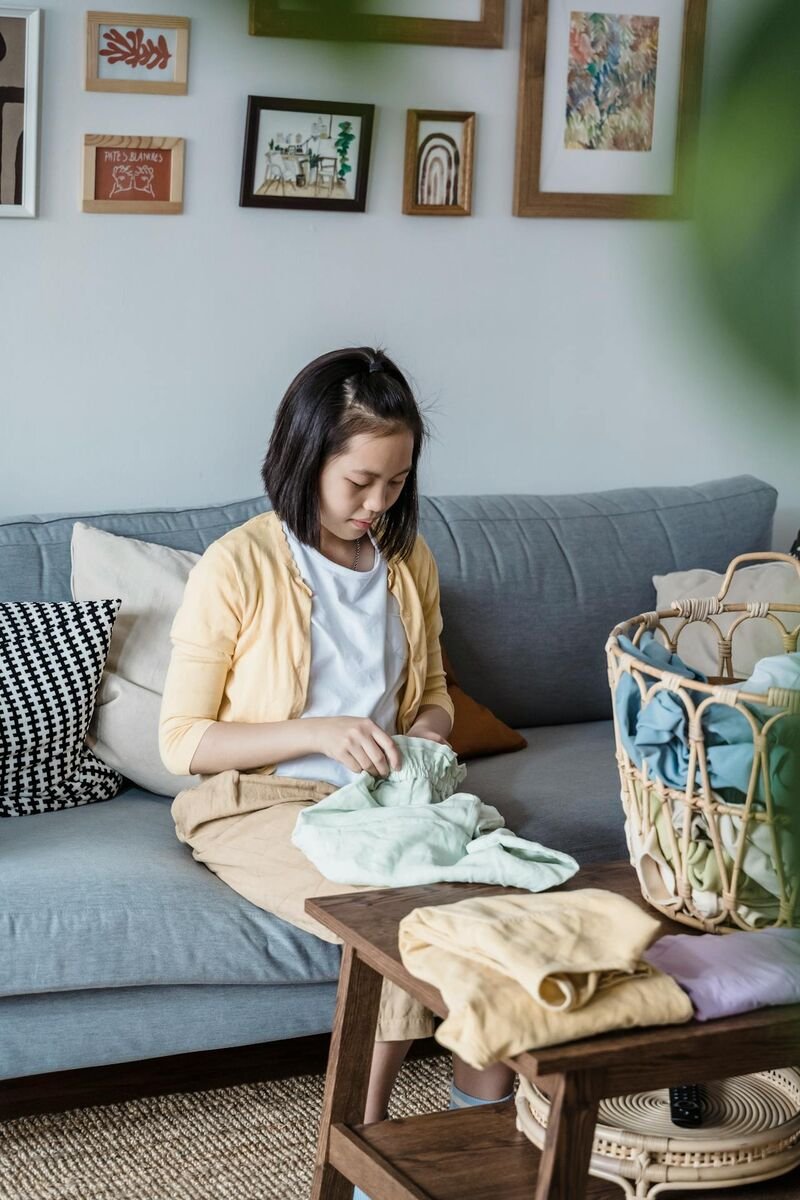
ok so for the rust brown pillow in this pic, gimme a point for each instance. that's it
(476, 730)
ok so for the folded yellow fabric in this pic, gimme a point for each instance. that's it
(522, 971)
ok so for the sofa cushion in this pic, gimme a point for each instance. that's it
(476, 731)
(106, 896)
(151, 580)
(531, 586)
(64, 1031)
(755, 638)
(51, 661)
(35, 550)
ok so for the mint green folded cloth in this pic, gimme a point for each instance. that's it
(412, 827)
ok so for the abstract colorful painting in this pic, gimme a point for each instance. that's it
(611, 82)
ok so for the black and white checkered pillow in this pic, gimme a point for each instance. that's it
(51, 661)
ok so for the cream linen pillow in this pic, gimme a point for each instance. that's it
(150, 580)
(754, 639)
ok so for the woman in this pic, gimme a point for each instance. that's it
(306, 638)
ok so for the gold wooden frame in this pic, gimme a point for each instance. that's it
(410, 205)
(529, 201)
(267, 19)
(92, 142)
(175, 87)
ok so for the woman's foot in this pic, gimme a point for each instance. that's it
(460, 1099)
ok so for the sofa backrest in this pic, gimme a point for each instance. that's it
(530, 585)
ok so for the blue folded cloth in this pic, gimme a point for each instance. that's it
(658, 731)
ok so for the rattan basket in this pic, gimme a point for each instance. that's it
(701, 858)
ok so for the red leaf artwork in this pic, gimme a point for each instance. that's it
(135, 50)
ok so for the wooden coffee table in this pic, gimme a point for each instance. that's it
(477, 1154)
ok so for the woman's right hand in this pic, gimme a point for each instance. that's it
(358, 744)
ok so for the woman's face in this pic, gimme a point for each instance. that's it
(363, 482)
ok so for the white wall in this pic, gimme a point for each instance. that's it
(142, 358)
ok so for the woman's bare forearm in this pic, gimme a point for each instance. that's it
(435, 717)
(242, 746)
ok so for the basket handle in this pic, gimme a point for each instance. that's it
(757, 556)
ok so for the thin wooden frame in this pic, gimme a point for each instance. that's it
(173, 87)
(529, 201)
(411, 206)
(258, 104)
(30, 131)
(93, 142)
(268, 19)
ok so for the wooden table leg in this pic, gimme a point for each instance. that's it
(564, 1165)
(349, 1063)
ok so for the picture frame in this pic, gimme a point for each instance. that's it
(268, 18)
(137, 52)
(608, 109)
(132, 174)
(20, 62)
(306, 154)
(439, 154)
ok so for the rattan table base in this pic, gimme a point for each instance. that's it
(750, 1132)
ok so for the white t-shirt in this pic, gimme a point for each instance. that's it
(359, 651)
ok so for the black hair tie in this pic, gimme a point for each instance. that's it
(375, 366)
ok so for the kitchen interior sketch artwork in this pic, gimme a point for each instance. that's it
(611, 81)
(13, 34)
(307, 154)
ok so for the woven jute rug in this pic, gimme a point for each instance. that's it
(252, 1142)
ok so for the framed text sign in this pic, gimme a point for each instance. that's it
(132, 174)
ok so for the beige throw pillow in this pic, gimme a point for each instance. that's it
(150, 580)
(755, 638)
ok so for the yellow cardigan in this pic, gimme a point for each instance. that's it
(241, 640)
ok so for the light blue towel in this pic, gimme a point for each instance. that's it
(658, 730)
(412, 827)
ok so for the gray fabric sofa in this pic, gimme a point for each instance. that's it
(116, 946)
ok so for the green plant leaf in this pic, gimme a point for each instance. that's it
(748, 196)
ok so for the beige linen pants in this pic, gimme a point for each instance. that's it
(240, 825)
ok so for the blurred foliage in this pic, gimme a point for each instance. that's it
(748, 195)
(334, 20)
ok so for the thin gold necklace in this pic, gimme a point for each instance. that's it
(358, 551)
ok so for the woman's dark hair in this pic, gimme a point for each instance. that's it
(337, 396)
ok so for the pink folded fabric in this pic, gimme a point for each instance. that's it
(732, 973)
